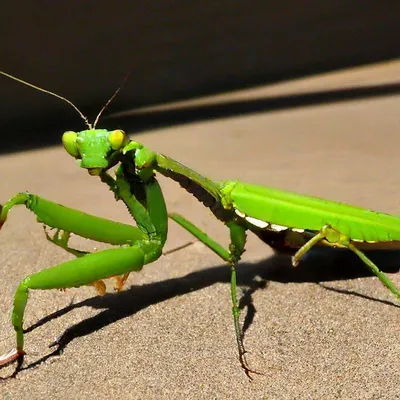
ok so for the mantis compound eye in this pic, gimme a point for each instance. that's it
(69, 142)
(117, 139)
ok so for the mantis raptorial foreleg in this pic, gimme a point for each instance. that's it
(385, 280)
(61, 238)
(67, 219)
(142, 245)
(333, 238)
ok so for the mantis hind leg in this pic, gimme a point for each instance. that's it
(386, 281)
(334, 238)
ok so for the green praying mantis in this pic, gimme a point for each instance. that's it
(286, 221)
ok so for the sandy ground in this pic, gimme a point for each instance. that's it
(323, 330)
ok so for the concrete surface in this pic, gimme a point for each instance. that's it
(324, 330)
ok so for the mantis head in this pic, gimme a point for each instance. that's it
(94, 148)
(97, 150)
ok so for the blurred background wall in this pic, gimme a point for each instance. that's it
(175, 50)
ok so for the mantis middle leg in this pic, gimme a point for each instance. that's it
(231, 256)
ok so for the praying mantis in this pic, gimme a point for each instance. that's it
(286, 221)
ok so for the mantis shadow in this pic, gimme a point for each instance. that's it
(328, 264)
(321, 265)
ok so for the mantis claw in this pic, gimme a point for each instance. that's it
(12, 356)
(119, 281)
(55, 342)
(247, 370)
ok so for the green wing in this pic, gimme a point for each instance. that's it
(311, 213)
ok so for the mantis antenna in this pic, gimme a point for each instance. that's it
(51, 93)
(68, 101)
(111, 99)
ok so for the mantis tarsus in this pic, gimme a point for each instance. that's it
(284, 220)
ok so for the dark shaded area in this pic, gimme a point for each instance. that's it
(140, 122)
(174, 50)
(320, 265)
(151, 120)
